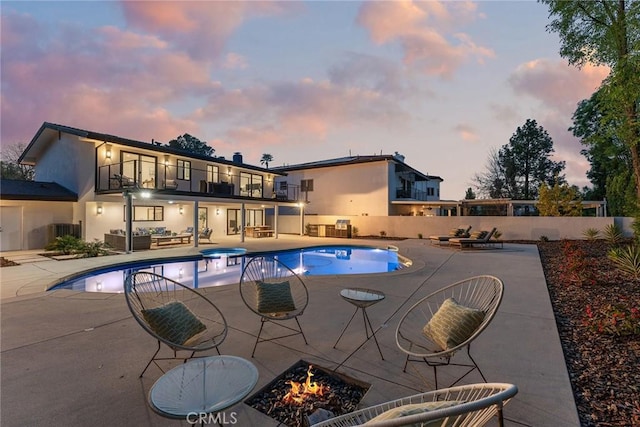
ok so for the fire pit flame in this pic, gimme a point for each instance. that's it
(301, 391)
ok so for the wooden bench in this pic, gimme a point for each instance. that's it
(263, 233)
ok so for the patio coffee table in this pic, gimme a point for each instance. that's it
(362, 298)
(202, 386)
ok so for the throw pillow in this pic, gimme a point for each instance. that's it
(453, 232)
(414, 409)
(452, 324)
(274, 297)
(173, 322)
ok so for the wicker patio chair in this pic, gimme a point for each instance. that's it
(174, 314)
(470, 405)
(275, 293)
(469, 307)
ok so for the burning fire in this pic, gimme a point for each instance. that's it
(301, 391)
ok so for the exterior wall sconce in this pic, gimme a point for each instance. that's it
(99, 286)
(166, 160)
(229, 172)
(107, 153)
(180, 273)
(99, 210)
(217, 211)
(180, 210)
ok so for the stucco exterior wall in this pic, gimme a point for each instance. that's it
(69, 162)
(512, 228)
(359, 189)
(36, 217)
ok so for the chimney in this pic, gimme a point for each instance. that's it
(237, 157)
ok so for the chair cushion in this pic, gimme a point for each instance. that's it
(274, 297)
(479, 234)
(452, 324)
(174, 322)
(414, 409)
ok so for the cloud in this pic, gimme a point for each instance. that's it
(425, 31)
(305, 109)
(201, 28)
(234, 61)
(557, 84)
(466, 132)
(108, 80)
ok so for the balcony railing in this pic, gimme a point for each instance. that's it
(117, 177)
(413, 194)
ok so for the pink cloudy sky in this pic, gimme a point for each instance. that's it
(439, 82)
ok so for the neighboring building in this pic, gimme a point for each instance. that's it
(378, 185)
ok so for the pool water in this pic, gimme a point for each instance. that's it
(223, 266)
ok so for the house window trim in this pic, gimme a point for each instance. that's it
(183, 170)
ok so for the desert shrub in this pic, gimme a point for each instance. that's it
(66, 245)
(544, 238)
(591, 233)
(635, 226)
(383, 233)
(94, 249)
(614, 319)
(626, 258)
(419, 235)
(307, 229)
(613, 234)
(354, 231)
(577, 267)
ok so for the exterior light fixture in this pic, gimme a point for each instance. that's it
(99, 210)
(166, 159)
(180, 273)
(98, 286)
(217, 211)
(180, 210)
(107, 153)
(145, 194)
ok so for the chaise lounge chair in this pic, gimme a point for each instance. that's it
(480, 238)
(461, 231)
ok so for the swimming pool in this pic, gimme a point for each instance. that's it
(223, 266)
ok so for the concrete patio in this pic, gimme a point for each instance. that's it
(73, 358)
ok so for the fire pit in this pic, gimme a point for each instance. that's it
(305, 388)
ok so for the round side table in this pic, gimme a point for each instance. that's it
(362, 298)
(203, 386)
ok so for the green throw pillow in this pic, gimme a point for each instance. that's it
(452, 324)
(174, 322)
(414, 409)
(274, 297)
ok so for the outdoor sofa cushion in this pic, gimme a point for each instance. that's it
(452, 324)
(274, 297)
(415, 409)
(174, 322)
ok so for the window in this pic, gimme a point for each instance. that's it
(213, 173)
(251, 184)
(306, 185)
(429, 191)
(140, 168)
(146, 213)
(282, 185)
(184, 169)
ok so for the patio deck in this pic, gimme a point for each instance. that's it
(71, 359)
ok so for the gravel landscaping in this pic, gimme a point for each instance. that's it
(596, 305)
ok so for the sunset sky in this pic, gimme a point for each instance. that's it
(439, 82)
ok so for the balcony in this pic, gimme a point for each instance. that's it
(412, 193)
(170, 179)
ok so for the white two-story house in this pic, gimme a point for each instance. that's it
(166, 188)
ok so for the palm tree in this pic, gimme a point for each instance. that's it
(266, 158)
